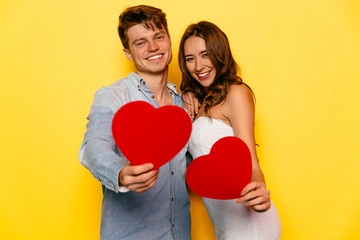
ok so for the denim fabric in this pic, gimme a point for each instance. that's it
(159, 213)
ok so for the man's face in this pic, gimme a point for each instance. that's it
(149, 49)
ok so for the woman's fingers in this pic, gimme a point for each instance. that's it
(255, 196)
(252, 187)
(191, 103)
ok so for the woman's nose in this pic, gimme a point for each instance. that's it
(199, 65)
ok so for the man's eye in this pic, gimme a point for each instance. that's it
(139, 43)
(159, 37)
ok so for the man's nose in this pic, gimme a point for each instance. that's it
(152, 47)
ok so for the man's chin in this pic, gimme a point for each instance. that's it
(159, 71)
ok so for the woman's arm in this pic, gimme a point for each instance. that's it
(191, 103)
(239, 109)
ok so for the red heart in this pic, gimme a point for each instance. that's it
(224, 172)
(145, 134)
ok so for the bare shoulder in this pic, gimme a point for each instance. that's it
(239, 107)
(239, 94)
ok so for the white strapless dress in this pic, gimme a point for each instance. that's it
(231, 221)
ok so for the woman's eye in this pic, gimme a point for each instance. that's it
(189, 59)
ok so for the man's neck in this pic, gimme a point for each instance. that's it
(157, 85)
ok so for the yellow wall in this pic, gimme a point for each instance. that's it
(302, 59)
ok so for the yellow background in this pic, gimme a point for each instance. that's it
(302, 59)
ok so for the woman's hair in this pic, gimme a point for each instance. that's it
(218, 50)
(150, 16)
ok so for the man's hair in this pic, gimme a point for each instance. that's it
(149, 16)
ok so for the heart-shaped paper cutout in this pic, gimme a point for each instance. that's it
(145, 134)
(224, 172)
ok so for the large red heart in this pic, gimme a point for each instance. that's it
(224, 172)
(145, 134)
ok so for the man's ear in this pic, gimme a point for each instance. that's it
(128, 54)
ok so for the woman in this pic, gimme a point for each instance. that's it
(227, 109)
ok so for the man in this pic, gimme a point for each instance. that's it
(138, 202)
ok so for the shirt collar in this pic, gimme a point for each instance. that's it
(138, 82)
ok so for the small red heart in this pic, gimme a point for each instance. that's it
(224, 172)
(145, 134)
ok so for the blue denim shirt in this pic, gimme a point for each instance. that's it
(159, 213)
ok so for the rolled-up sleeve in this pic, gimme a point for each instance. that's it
(98, 152)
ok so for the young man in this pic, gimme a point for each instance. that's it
(138, 202)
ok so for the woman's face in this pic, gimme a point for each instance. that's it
(198, 62)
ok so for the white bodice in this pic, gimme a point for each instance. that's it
(205, 132)
(230, 220)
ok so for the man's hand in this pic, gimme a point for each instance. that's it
(138, 178)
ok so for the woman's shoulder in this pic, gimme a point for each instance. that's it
(239, 93)
(239, 102)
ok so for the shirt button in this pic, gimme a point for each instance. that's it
(114, 187)
(172, 199)
(152, 96)
(144, 83)
(138, 86)
(173, 225)
(172, 173)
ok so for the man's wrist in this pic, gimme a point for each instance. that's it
(123, 189)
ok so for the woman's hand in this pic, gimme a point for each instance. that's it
(256, 196)
(191, 103)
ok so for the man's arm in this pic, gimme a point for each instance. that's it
(98, 152)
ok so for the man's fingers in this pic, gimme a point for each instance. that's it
(140, 169)
(141, 187)
(140, 179)
(140, 174)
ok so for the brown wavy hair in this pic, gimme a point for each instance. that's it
(218, 49)
(149, 16)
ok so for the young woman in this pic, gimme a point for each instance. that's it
(227, 109)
